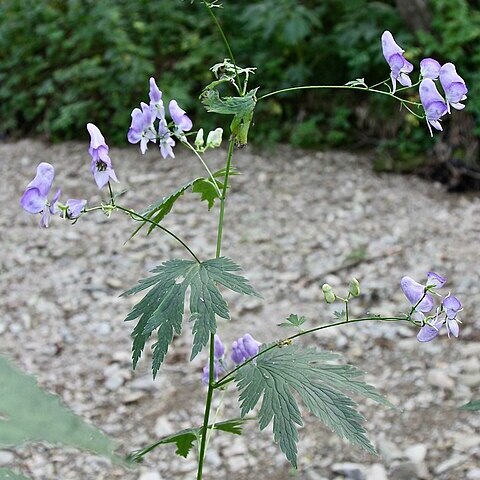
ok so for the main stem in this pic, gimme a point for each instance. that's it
(211, 375)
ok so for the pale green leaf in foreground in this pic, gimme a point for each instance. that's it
(473, 406)
(6, 474)
(323, 386)
(28, 414)
(162, 308)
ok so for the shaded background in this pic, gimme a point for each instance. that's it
(64, 63)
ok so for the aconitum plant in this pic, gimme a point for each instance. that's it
(272, 377)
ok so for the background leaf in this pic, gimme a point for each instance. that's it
(473, 406)
(28, 414)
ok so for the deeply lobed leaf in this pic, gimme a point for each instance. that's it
(275, 375)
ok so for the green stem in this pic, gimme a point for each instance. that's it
(335, 87)
(190, 147)
(229, 376)
(227, 44)
(211, 378)
(136, 215)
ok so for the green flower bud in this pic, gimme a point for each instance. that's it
(199, 139)
(328, 293)
(214, 138)
(354, 288)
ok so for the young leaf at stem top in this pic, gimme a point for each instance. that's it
(280, 372)
(162, 308)
(293, 321)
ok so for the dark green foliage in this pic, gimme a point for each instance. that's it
(280, 372)
(63, 64)
(185, 439)
(162, 308)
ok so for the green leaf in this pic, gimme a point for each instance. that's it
(341, 315)
(162, 308)
(185, 439)
(293, 321)
(6, 474)
(241, 107)
(473, 406)
(29, 414)
(204, 186)
(280, 372)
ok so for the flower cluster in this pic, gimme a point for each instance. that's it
(35, 198)
(242, 349)
(421, 298)
(143, 129)
(435, 106)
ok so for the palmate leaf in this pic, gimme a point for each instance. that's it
(241, 107)
(162, 308)
(185, 439)
(280, 372)
(204, 186)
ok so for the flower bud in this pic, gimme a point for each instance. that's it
(199, 139)
(328, 293)
(354, 288)
(214, 138)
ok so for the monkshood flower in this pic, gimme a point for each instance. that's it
(430, 68)
(218, 367)
(180, 118)
(101, 165)
(166, 142)
(142, 129)
(244, 348)
(214, 138)
(74, 207)
(435, 280)
(399, 66)
(453, 86)
(35, 197)
(451, 305)
(433, 104)
(156, 102)
(417, 295)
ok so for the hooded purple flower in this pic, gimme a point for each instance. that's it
(453, 86)
(35, 197)
(433, 104)
(101, 165)
(180, 118)
(74, 208)
(435, 280)
(414, 291)
(429, 68)
(218, 368)
(156, 102)
(452, 306)
(399, 66)
(166, 142)
(244, 348)
(142, 129)
(430, 330)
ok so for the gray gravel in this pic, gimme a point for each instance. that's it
(293, 219)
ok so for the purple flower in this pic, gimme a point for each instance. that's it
(180, 118)
(101, 165)
(430, 330)
(217, 371)
(74, 208)
(430, 68)
(35, 197)
(452, 306)
(166, 142)
(142, 129)
(453, 86)
(433, 104)
(244, 348)
(219, 349)
(399, 66)
(414, 291)
(156, 102)
(435, 280)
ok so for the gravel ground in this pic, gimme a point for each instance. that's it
(293, 219)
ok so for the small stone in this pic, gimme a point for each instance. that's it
(6, 458)
(450, 463)
(438, 378)
(351, 471)
(403, 471)
(150, 475)
(377, 472)
(114, 382)
(388, 450)
(133, 397)
(465, 441)
(416, 453)
(163, 427)
(473, 474)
